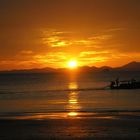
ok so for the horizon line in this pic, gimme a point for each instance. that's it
(35, 68)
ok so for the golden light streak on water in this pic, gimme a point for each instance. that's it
(73, 103)
(73, 85)
(72, 114)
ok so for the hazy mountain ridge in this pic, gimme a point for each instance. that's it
(132, 66)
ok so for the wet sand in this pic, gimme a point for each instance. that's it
(114, 127)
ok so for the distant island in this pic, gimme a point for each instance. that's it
(132, 66)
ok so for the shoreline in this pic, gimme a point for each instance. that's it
(109, 114)
(92, 126)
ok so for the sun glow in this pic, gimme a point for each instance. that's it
(72, 114)
(72, 64)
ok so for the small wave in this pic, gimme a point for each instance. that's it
(115, 114)
(53, 90)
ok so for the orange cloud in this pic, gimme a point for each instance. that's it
(56, 39)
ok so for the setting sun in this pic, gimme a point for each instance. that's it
(72, 64)
(72, 114)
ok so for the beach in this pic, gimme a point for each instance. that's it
(51, 107)
(96, 126)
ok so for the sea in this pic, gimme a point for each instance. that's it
(62, 95)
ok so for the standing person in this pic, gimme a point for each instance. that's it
(112, 84)
(117, 82)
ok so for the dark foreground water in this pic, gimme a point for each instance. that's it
(65, 93)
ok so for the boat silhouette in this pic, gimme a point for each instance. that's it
(128, 84)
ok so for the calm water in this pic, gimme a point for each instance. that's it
(72, 93)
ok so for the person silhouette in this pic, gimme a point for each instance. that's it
(112, 84)
(117, 82)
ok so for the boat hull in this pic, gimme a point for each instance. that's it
(135, 85)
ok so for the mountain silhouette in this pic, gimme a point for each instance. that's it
(132, 66)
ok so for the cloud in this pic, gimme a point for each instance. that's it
(93, 53)
(56, 39)
(26, 52)
(54, 59)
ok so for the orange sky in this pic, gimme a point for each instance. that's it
(49, 33)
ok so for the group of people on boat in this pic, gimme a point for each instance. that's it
(115, 83)
(130, 84)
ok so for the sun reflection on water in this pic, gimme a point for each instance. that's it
(73, 103)
(72, 114)
(73, 85)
